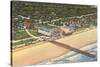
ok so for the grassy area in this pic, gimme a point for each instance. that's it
(27, 42)
(18, 43)
(19, 34)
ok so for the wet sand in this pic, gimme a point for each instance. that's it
(43, 52)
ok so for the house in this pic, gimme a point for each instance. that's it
(27, 23)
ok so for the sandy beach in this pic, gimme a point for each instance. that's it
(37, 54)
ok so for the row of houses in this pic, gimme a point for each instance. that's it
(71, 25)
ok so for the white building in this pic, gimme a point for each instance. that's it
(46, 30)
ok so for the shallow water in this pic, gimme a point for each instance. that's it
(84, 58)
(78, 57)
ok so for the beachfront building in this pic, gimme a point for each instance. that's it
(49, 31)
(69, 26)
(44, 31)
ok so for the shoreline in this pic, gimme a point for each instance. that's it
(43, 52)
(71, 53)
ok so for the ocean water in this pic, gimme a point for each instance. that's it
(79, 57)
(84, 58)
